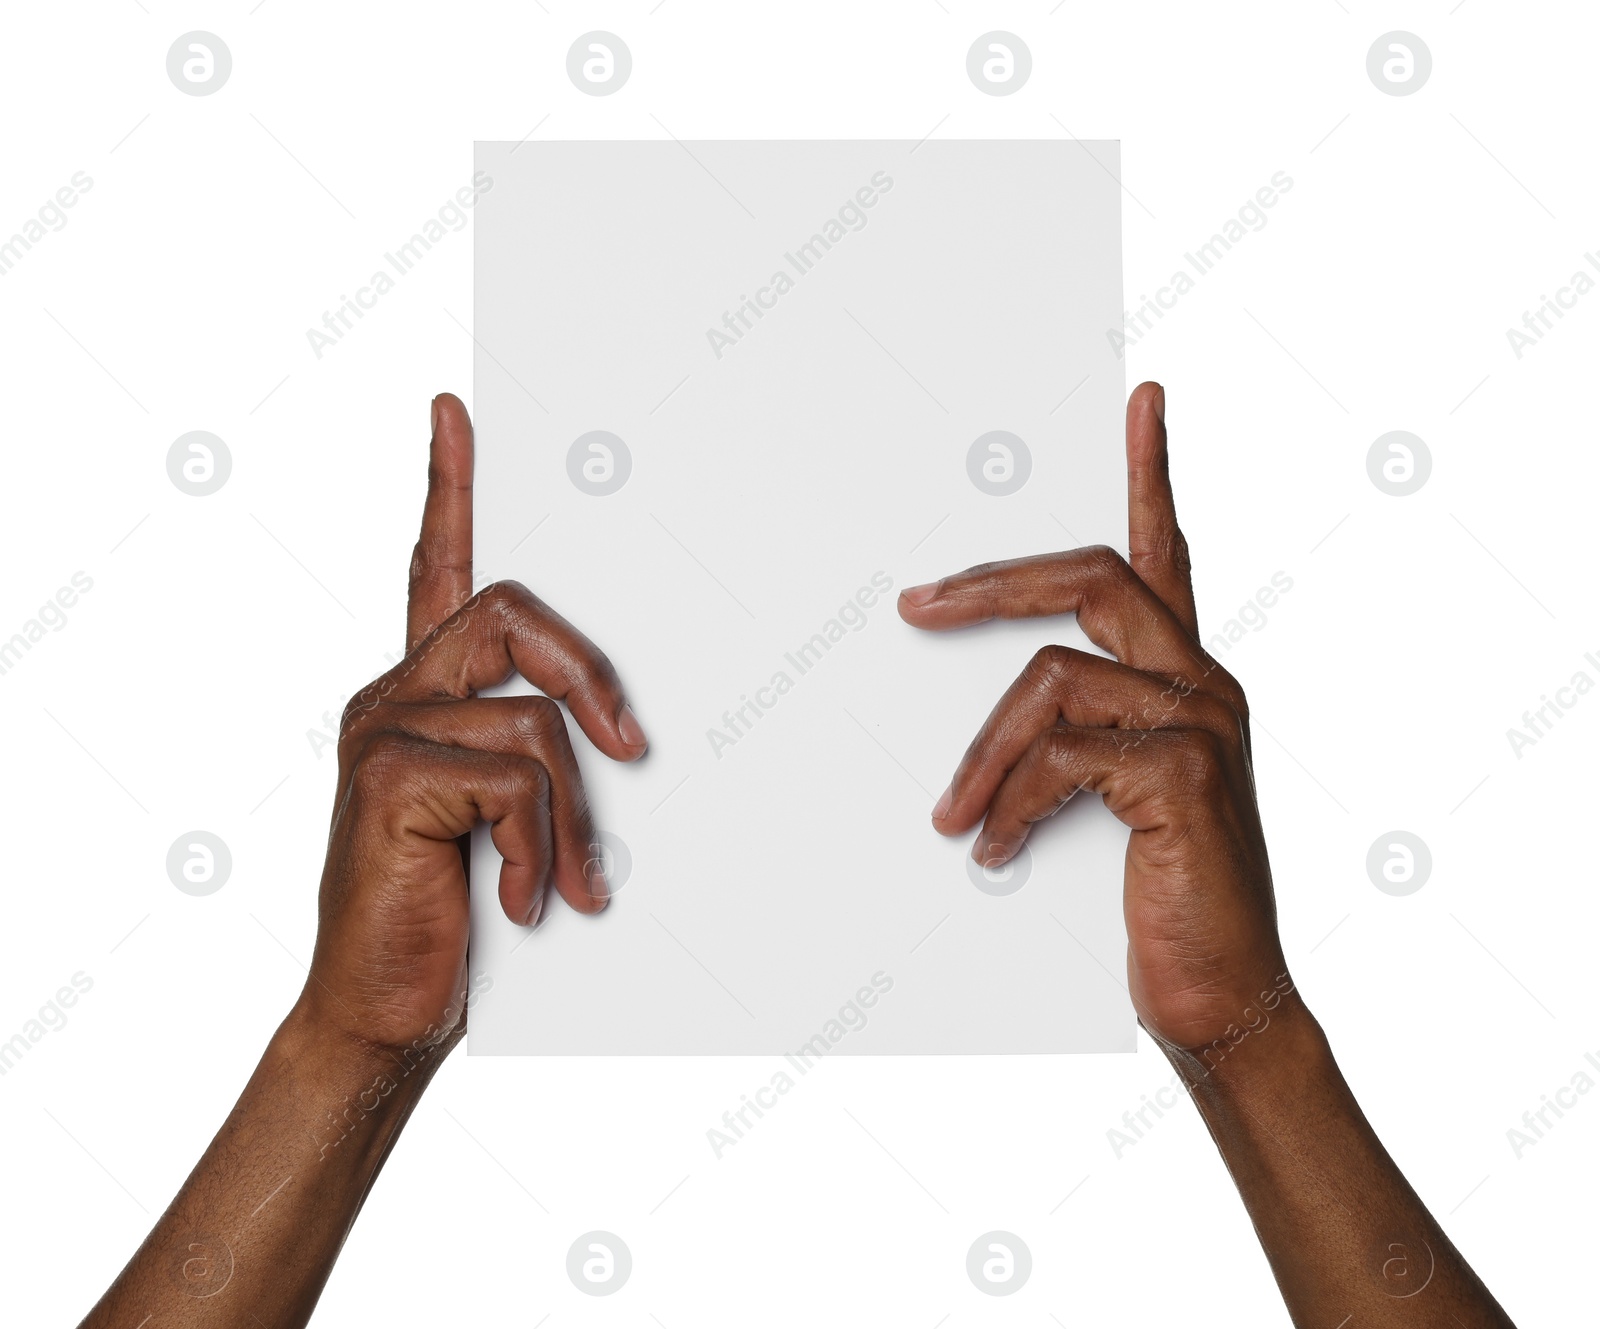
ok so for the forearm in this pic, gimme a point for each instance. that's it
(1346, 1235)
(252, 1235)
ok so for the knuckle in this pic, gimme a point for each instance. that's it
(538, 719)
(1239, 702)
(360, 714)
(1239, 706)
(1167, 547)
(1107, 581)
(1200, 760)
(492, 601)
(379, 761)
(1177, 551)
(356, 709)
(1213, 680)
(1051, 666)
(1218, 714)
(501, 597)
(1229, 690)
(530, 780)
(1105, 564)
(1057, 751)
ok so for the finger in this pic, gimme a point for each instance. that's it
(1115, 608)
(441, 564)
(1157, 550)
(1080, 689)
(531, 727)
(506, 628)
(522, 836)
(432, 791)
(1146, 778)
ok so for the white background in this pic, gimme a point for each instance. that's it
(219, 631)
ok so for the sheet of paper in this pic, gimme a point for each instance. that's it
(731, 398)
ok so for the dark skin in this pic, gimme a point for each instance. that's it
(254, 1232)
(1161, 732)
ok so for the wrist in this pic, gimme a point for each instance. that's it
(355, 1094)
(1280, 1053)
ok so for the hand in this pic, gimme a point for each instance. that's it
(1161, 735)
(1162, 732)
(422, 759)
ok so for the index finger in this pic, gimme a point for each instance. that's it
(506, 628)
(1156, 547)
(441, 565)
(1116, 609)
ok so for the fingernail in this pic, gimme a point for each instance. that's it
(943, 805)
(920, 595)
(996, 856)
(433, 415)
(599, 892)
(629, 727)
(1159, 404)
(538, 908)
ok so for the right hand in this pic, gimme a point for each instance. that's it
(422, 759)
(1162, 731)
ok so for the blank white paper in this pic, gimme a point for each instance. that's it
(731, 398)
